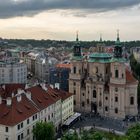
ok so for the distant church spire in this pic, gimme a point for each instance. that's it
(118, 35)
(118, 47)
(77, 36)
(101, 38)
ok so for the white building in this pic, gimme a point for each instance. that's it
(21, 108)
(12, 70)
(38, 64)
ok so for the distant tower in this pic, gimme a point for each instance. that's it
(118, 47)
(77, 47)
(101, 38)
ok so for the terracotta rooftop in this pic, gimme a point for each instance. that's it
(17, 112)
(129, 77)
(42, 98)
(68, 66)
(63, 94)
(7, 89)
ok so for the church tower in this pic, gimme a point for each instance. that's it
(77, 47)
(75, 76)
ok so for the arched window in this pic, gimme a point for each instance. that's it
(94, 93)
(96, 69)
(116, 110)
(100, 103)
(116, 73)
(74, 69)
(131, 100)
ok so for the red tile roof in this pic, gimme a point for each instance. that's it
(63, 94)
(42, 98)
(17, 112)
(64, 66)
(9, 89)
(20, 111)
(129, 77)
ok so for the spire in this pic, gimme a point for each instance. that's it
(77, 37)
(118, 36)
(101, 38)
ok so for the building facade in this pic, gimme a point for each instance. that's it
(60, 75)
(21, 108)
(12, 70)
(102, 83)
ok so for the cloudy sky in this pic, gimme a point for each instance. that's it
(60, 19)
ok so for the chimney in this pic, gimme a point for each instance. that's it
(57, 85)
(3, 86)
(19, 97)
(28, 95)
(9, 101)
(43, 85)
(51, 86)
(0, 100)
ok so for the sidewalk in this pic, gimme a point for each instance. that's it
(105, 129)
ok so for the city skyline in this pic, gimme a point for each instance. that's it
(60, 19)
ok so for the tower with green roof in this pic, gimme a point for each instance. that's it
(118, 47)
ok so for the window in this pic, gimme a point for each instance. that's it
(83, 104)
(52, 115)
(116, 110)
(74, 70)
(116, 99)
(74, 92)
(36, 116)
(83, 94)
(18, 137)
(33, 118)
(116, 73)
(21, 135)
(49, 117)
(106, 108)
(87, 101)
(100, 103)
(122, 75)
(96, 69)
(28, 121)
(28, 131)
(94, 93)
(131, 100)
(74, 83)
(18, 127)
(22, 125)
(6, 139)
(6, 129)
(106, 98)
(74, 102)
(116, 89)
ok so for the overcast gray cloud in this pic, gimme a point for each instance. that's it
(13, 8)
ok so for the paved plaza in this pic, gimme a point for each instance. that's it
(102, 123)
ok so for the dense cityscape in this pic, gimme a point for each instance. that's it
(69, 70)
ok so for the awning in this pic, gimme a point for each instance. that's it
(72, 118)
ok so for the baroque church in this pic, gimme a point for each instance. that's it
(102, 82)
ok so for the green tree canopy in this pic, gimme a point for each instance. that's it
(133, 132)
(44, 131)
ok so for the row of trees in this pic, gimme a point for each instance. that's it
(46, 131)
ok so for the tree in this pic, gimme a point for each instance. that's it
(69, 136)
(44, 131)
(133, 132)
